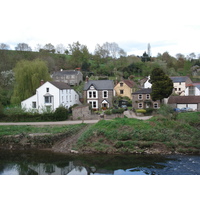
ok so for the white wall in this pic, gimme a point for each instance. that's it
(66, 97)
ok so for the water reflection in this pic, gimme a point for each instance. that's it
(48, 163)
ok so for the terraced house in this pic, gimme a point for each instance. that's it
(99, 93)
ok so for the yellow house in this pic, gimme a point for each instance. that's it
(125, 88)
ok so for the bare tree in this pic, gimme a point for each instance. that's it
(38, 47)
(60, 49)
(4, 46)
(23, 47)
(49, 47)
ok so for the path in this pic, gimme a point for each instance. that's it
(49, 123)
(131, 114)
(66, 145)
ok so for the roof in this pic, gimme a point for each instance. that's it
(60, 85)
(129, 83)
(66, 72)
(143, 91)
(100, 84)
(183, 99)
(177, 79)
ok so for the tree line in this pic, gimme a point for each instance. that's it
(107, 60)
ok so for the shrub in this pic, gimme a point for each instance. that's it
(61, 113)
(141, 111)
(107, 112)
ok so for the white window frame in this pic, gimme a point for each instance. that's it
(147, 96)
(140, 98)
(106, 94)
(92, 103)
(92, 94)
(140, 105)
(155, 105)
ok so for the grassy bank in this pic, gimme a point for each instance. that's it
(37, 137)
(157, 135)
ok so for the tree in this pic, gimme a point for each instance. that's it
(145, 57)
(4, 46)
(49, 47)
(60, 49)
(28, 75)
(23, 47)
(162, 85)
(79, 54)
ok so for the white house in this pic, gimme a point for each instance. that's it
(50, 96)
(192, 89)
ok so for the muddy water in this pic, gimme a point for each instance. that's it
(48, 163)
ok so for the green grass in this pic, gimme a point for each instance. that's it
(15, 130)
(124, 133)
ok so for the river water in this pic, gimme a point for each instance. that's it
(48, 163)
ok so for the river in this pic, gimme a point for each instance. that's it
(48, 163)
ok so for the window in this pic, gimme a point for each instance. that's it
(121, 91)
(92, 94)
(148, 96)
(121, 84)
(47, 99)
(140, 105)
(179, 89)
(33, 104)
(179, 83)
(175, 89)
(47, 89)
(155, 105)
(93, 104)
(140, 96)
(191, 90)
(105, 94)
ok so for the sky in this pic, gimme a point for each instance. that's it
(171, 25)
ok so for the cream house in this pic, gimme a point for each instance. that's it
(125, 88)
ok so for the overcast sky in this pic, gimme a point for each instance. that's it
(168, 25)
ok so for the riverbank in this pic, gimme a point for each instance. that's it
(158, 135)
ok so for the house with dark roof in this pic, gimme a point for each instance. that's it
(50, 95)
(71, 77)
(99, 93)
(125, 88)
(179, 83)
(141, 99)
(185, 101)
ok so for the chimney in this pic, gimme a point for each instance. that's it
(86, 79)
(41, 82)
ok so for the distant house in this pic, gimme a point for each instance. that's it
(50, 96)
(179, 83)
(192, 89)
(145, 82)
(142, 99)
(125, 88)
(99, 93)
(185, 101)
(71, 77)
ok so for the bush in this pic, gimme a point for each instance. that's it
(107, 112)
(140, 111)
(61, 113)
(117, 111)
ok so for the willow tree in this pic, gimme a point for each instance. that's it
(162, 85)
(28, 76)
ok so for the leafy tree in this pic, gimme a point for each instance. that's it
(28, 75)
(145, 57)
(49, 48)
(162, 85)
(79, 54)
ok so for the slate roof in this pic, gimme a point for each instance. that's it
(60, 85)
(100, 84)
(143, 91)
(177, 79)
(66, 72)
(183, 99)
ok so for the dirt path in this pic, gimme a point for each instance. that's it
(66, 145)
